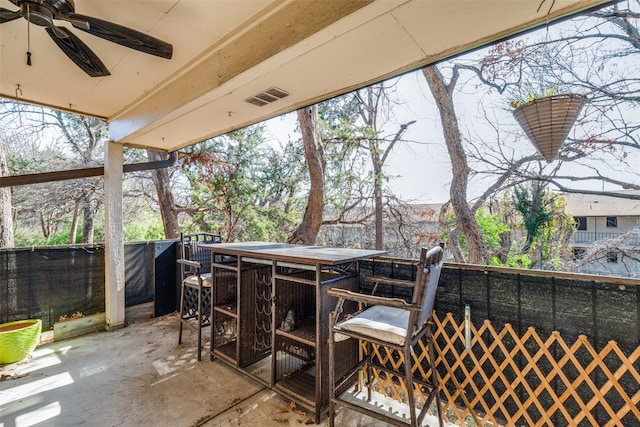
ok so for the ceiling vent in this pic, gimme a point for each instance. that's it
(267, 96)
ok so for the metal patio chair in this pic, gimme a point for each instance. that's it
(195, 292)
(392, 323)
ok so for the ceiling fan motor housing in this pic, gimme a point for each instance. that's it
(36, 14)
(43, 12)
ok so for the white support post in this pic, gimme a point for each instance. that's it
(114, 240)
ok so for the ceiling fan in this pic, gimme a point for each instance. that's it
(44, 12)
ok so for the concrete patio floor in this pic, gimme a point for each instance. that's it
(140, 376)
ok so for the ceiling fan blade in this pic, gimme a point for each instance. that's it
(123, 36)
(79, 52)
(7, 15)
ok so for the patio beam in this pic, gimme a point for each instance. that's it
(38, 178)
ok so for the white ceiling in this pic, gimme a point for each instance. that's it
(225, 51)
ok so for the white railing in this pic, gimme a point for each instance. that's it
(588, 237)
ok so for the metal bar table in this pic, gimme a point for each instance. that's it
(258, 287)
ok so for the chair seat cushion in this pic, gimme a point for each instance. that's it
(383, 323)
(193, 280)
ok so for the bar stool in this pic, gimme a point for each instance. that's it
(195, 292)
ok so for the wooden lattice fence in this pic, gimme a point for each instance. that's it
(546, 348)
(506, 378)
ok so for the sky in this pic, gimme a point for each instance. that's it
(421, 168)
(412, 164)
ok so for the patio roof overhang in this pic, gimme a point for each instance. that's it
(225, 52)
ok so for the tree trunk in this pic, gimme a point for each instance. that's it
(377, 193)
(533, 229)
(73, 233)
(6, 211)
(165, 197)
(454, 246)
(308, 230)
(88, 218)
(505, 246)
(7, 239)
(458, 191)
(88, 225)
(44, 226)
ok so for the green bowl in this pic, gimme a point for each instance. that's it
(18, 339)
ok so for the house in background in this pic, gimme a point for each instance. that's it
(607, 236)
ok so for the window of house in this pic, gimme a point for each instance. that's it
(612, 222)
(581, 222)
(578, 253)
(612, 257)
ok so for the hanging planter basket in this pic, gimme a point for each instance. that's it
(547, 121)
(18, 339)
